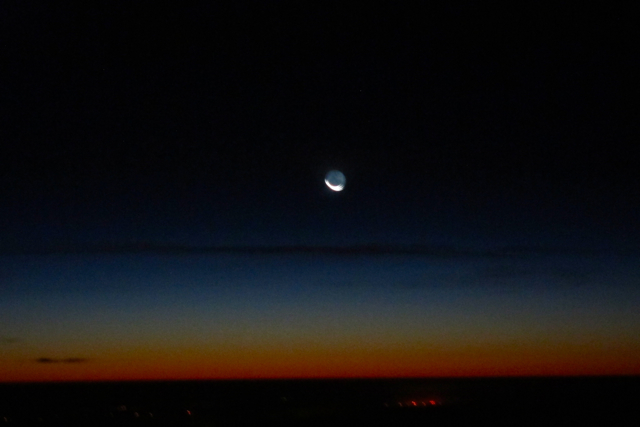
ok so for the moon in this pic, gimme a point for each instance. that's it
(335, 180)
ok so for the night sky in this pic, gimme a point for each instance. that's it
(163, 212)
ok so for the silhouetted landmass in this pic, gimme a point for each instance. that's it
(603, 401)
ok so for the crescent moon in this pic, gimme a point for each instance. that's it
(338, 187)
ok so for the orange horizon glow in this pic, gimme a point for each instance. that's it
(309, 378)
(290, 331)
(319, 366)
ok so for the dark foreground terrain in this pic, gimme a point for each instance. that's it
(605, 401)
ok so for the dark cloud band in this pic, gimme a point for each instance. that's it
(425, 250)
(46, 360)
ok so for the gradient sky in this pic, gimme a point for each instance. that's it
(163, 213)
(230, 316)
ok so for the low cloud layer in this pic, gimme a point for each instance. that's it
(46, 360)
(372, 249)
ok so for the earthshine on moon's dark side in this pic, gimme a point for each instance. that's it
(335, 180)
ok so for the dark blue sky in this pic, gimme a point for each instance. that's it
(456, 126)
(453, 126)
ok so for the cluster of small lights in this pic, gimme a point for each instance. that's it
(140, 414)
(414, 403)
(117, 412)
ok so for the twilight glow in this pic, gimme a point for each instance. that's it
(221, 316)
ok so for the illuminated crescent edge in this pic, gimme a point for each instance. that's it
(338, 187)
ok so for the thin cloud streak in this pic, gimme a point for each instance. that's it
(48, 360)
(373, 249)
